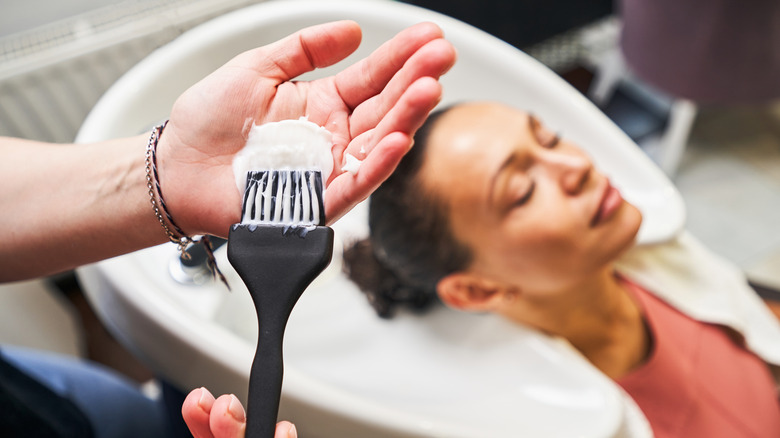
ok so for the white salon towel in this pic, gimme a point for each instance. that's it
(706, 287)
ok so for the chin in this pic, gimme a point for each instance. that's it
(622, 236)
(635, 219)
(632, 221)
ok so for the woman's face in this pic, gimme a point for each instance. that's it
(532, 208)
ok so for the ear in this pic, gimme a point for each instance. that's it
(470, 292)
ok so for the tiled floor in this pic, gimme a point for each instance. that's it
(730, 180)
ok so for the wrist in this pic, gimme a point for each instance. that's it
(160, 208)
(156, 199)
(197, 185)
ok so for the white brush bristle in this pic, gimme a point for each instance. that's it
(283, 197)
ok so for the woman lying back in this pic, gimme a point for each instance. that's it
(492, 212)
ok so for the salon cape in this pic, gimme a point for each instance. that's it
(707, 288)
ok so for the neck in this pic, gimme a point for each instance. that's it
(597, 316)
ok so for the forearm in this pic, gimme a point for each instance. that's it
(67, 205)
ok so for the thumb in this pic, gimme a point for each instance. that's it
(285, 429)
(313, 47)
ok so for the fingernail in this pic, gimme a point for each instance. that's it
(236, 410)
(206, 400)
(293, 432)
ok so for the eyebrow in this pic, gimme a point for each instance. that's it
(533, 126)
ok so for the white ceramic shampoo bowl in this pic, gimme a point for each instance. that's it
(349, 373)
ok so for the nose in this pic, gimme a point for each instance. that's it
(571, 168)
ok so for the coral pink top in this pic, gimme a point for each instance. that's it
(698, 381)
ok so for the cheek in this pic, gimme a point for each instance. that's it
(549, 237)
(542, 254)
(540, 257)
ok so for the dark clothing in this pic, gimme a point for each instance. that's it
(30, 409)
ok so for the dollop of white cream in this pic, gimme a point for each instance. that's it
(351, 164)
(285, 145)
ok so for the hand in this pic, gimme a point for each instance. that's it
(221, 418)
(372, 108)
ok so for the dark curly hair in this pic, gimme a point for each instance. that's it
(411, 246)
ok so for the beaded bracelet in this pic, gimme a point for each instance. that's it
(180, 238)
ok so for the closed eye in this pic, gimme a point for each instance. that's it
(551, 143)
(526, 196)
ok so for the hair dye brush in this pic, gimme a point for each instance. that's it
(278, 249)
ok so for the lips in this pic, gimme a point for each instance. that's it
(611, 200)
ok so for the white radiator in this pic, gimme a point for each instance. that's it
(51, 76)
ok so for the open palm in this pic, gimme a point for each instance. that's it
(372, 107)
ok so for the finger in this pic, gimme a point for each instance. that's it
(431, 60)
(347, 190)
(405, 116)
(369, 76)
(285, 429)
(310, 48)
(381, 149)
(228, 419)
(196, 410)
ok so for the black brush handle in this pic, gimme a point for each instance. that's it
(277, 264)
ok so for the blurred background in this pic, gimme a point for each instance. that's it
(681, 86)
